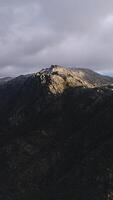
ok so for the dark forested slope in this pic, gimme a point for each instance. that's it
(56, 136)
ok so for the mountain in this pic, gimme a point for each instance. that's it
(56, 136)
(5, 79)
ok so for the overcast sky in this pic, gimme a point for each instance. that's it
(38, 33)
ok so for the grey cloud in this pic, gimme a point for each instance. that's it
(37, 33)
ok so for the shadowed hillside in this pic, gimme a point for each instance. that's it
(56, 136)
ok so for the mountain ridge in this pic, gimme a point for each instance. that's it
(56, 136)
(79, 72)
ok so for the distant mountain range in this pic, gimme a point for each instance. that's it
(56, 135)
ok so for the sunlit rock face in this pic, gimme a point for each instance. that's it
(59, 78)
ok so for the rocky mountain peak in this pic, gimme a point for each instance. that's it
(58, 78)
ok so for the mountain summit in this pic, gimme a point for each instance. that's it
(56, 136)
(59, 78)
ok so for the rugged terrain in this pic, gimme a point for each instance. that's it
(56, 136)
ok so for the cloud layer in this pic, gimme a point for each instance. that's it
(37, 33)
